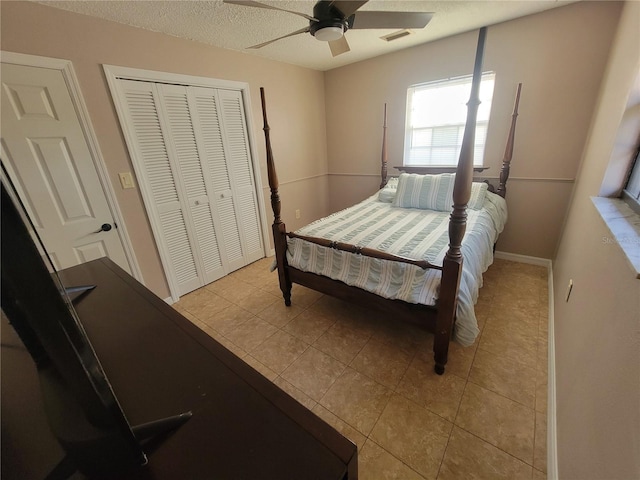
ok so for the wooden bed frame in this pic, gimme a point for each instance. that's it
(438, 319)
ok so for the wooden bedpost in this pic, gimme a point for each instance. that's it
(452, 263)
(383, 160)
(508, 151)
(279, 228)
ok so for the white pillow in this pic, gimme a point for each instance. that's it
(388, 192)
(478, 194)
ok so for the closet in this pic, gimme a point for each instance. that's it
(192, 158)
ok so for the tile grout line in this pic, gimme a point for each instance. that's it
(398, 459)
(497, 447)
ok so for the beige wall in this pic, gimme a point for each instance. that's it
(597, 332)
(298, 137)
(558, 55)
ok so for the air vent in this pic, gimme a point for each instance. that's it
(396, 35)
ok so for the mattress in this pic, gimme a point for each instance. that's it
(408, 232)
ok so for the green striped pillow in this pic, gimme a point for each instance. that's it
(428, 192)
(434, 192)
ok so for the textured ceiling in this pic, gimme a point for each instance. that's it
(236, 27)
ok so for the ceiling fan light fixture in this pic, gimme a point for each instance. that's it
(328, 34)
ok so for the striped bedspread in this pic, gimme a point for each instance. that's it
(409, 232)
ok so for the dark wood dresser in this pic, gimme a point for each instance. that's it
(160, 364)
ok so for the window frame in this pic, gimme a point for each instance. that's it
(632, 198)
(410, 130)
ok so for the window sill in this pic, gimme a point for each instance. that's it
(624, 225)
(427, 169)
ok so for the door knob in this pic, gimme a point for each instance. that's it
(104, 228)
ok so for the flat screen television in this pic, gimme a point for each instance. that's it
(82, 408)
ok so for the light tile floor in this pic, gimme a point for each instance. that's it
(373, 379)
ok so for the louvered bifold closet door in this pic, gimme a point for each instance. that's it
(219, 115)
(156, 173)
(240, 169)
(184, 141)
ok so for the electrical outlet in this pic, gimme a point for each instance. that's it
(298, 213)
(569, 288)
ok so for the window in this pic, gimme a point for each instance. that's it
(436, 115)
(631, 192)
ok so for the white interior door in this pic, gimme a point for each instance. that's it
(46, 154)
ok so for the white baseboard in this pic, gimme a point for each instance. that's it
(552, 438)
(514, 257)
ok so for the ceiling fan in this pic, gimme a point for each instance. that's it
(332, 18)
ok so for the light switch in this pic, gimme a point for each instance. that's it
(126, 180)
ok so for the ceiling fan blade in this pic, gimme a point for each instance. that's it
(339, 46)
(248, 3)
(297, 32)
(391, 19)
(348, 7)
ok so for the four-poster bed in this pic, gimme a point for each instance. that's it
(422, 287)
